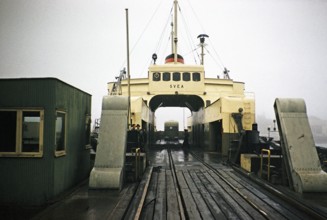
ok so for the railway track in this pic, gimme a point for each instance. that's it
(181, 185)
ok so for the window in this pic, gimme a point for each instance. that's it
(8, 130)
(60, 140)
(156, 76)
(166, 76)
(176, 76)
(186, 76)
(196, 77)
(21, 133)
(31, 131)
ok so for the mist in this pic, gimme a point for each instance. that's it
(278, 48)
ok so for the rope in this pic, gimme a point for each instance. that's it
(158, 46)
(163, 31)
(143, 31)
(189, 37)
(198, 20)
(219, 64)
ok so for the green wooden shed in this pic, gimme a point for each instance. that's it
(44, 139)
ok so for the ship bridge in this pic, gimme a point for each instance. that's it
(212, 101)
(176, 85)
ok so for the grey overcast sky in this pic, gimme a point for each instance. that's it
(277, 47)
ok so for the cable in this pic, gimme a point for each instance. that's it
(219, 64)
(164, 29)
(198, 20)
(143, 31)
(189, 36)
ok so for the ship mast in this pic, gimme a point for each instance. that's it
(174, 37)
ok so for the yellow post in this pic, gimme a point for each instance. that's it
(261, 162)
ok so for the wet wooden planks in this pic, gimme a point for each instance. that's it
(205, 195)
(210, 198)
(209, 193)
(161, 201)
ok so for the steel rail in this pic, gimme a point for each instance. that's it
(262, 212)
(316, 214)
(292, 201)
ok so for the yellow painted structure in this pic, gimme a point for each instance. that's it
(211, 100)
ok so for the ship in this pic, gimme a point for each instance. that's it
(222, 122)
(225, 169)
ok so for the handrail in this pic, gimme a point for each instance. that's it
(261, 162)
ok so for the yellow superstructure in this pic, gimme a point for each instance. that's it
(176, 79)
(220, 108)
(211, 101)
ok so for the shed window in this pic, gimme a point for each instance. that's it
(196, 77)
(21, 133)
(166, 76)
(8, 130)
(31, 132)
(176, 76)
(186, 76)
(156, 76)
(60, 140)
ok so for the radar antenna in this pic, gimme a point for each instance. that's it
(202, 45)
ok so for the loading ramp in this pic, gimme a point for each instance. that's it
(299, 151)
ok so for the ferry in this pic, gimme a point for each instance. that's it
(222, 120)
(227, 172)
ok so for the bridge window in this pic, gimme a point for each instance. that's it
(166, 76)
(196, 77)
(156, 76)
(186, 76)
(21, 133)
(176, 76)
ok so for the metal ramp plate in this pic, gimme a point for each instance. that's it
(299, 150)
(108, 170)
